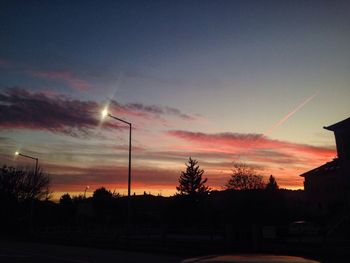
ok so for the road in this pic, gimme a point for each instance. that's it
(33, 252)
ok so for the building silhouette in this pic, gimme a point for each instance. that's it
(328, 184)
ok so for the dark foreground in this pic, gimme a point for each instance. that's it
(15, 251)
(11, 251)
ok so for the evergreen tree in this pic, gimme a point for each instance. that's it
(191, 181)
(272, 184)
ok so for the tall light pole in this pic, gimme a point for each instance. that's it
(30, 157)
(104, 114)
(36, 173)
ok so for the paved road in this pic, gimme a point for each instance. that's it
(32, 252)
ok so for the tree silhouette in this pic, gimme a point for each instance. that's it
(272, 184)
(244, 177)
(24, 184)
(102, 194)
(190, 181)
(66, 200)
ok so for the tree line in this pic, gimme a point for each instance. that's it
(243, 177)
(25, 198)
(25, 184)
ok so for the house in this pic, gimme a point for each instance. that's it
(329, 184)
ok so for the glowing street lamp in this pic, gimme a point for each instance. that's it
(30, 157)
(105, 113)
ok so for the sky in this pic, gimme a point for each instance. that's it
(220, 81)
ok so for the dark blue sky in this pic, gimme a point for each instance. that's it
(187, 42)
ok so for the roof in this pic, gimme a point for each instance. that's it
(344, 124)
(323, 169)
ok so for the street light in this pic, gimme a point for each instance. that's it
(36, 173)
(30, 157)
(105, 114)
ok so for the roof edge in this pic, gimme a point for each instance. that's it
(339, 124)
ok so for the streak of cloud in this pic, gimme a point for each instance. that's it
(290, 114)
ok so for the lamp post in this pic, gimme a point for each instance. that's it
(86, 188)
(36, 173)
(104, 114)
(30, 157)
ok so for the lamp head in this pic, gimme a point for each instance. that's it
(104, 113)
(16, 153)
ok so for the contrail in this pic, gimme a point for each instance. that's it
(290, 114)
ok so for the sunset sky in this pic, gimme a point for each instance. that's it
(220, 81)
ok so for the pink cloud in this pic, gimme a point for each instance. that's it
(238, 142)
(65, 76)
(286, 160)
(68, 77)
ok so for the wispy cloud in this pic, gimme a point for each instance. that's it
(240, 141)
(64, 75)
(21, 109)
(69, 77)
(158, 110)
(255, 148)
